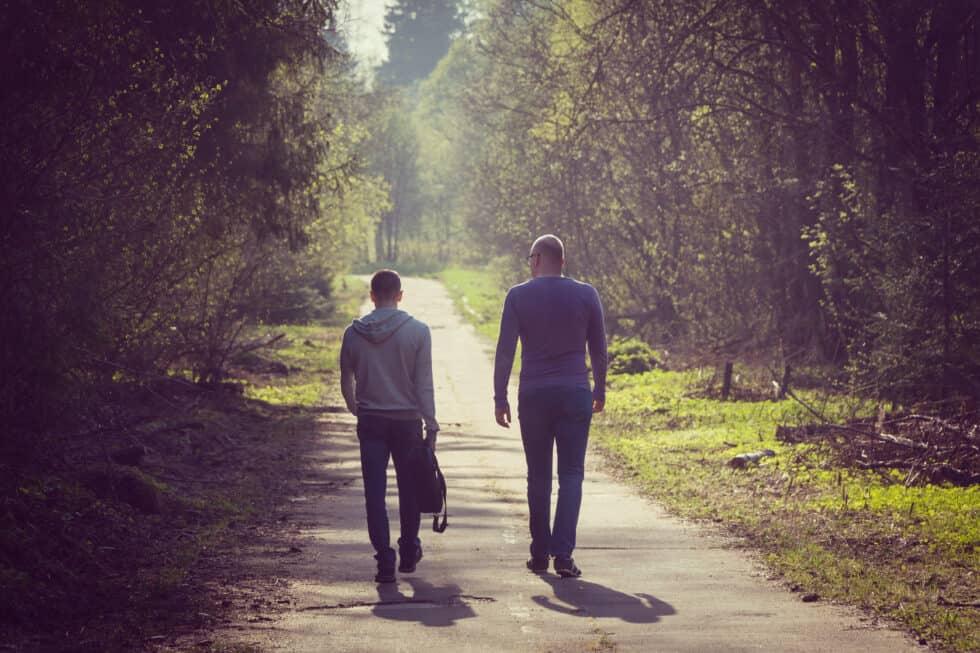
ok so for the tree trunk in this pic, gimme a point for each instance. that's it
(726, 382)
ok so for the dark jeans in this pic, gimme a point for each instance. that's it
(380, 437)
(549, 416)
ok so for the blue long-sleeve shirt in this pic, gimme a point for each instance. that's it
(555, 318)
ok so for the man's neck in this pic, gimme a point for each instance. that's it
(386, 305)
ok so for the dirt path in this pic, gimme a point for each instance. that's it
(651, 582)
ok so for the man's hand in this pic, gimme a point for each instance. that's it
(430, 438)
(598, 405)
(503, 416)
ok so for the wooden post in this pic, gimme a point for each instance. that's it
(784, 386)
(726, 383)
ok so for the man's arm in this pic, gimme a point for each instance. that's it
(596, 339)
(424, 390)
(503, 360)
(347, 374)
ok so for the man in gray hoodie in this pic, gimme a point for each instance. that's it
(386, 380)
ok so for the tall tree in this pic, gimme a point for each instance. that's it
(791, 177)
(419, 33)
(395, 159)
(160, 163)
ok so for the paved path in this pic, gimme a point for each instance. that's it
(651, 583)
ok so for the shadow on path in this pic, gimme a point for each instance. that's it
(430, 605)
(586, 599)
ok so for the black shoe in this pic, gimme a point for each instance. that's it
(565, 567)
(538, 565)
(386, 567)
(407, 563)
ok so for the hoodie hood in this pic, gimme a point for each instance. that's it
(379, 325)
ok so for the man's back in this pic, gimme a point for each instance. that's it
(555, 317)
(389, 353)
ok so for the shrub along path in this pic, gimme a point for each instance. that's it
(651, 582)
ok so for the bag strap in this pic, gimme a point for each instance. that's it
(438, 526)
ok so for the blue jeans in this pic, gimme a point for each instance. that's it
(556, 415)
(381, 437)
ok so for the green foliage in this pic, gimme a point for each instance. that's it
(737, 177)
(444, 166)
(631, 356)
(419, 147)
(171, 173)
(478, 295)
(307, 355)
(902, 284)
(394, 157)
(413, 228)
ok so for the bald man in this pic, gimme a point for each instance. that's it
(556, 318)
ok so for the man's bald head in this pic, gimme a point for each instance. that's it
(551, 249)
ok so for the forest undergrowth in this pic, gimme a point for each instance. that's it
(128, 536)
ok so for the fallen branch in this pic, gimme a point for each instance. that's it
(957, 604)
(259, 344)
(882, 464)
(743, 459)
(894, 439)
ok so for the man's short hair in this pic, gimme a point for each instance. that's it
(550, 246)
(386, 284)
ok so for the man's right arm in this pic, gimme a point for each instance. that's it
(596, 340)
(504, 358)
(347, 374)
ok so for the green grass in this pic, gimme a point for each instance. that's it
(309, 351)
(905, 553)
(849, 535)
(478, 295)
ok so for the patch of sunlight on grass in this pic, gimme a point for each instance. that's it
(303, 394)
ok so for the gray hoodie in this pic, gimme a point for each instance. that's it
(387, 355)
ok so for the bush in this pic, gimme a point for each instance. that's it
(631, 356)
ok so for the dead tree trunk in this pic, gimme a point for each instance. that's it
(726, 382)
(784, 384)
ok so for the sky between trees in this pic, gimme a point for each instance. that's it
(363, 22)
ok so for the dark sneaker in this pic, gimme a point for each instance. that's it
(565, 567)
(386, 567)
(407, 563)
(538, 565)
(385, 576)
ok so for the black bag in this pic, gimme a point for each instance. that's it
(429, 484)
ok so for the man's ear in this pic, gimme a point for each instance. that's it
(399, 297)
(373, 298)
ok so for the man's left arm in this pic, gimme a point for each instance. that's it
(503, 359)
(424, 388)
(596, 339)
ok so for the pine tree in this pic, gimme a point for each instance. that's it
(419, 33)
